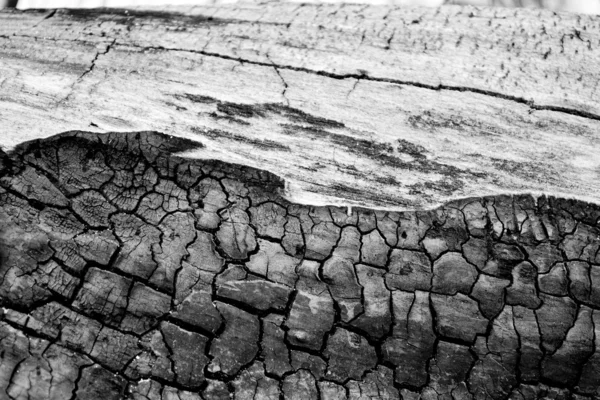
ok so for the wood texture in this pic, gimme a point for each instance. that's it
(128, 272)
(133, 267)
(353, 105)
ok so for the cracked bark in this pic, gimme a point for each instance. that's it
(360, 319)
(129, 269)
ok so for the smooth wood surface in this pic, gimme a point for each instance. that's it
(387, 107)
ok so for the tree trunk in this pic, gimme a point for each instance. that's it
(299, 201)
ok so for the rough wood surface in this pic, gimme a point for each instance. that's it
(376, 106)
(129, 272)
(134, 266)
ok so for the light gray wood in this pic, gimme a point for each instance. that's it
(388, 107)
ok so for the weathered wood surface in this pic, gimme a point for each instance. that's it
(131, 268)
(385, 107)
(129, 272)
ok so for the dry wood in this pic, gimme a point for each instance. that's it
(133, 267)
(385, 107)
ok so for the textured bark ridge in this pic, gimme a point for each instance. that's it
(127, 271)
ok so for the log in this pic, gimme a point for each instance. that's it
(414, 107)
(265, 201)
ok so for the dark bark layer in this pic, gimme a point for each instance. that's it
(127, 271)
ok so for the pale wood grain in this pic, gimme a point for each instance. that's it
(405, 107)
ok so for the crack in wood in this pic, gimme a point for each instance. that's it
(371, 303)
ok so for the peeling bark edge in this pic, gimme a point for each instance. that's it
(177, 148)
